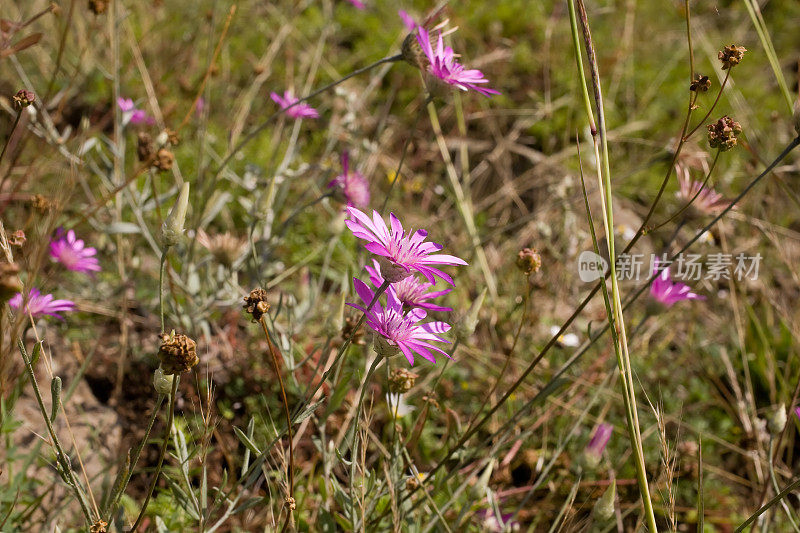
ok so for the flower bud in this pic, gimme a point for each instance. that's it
(594, 450)
(465, 327)
(777, 420)
(604, 507)
(479, 489)
(172, 228)
(162, 382)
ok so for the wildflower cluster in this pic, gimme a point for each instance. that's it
(401, 255)
(73, 255)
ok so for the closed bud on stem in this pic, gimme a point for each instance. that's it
(172, 228)
(465, 327)
(777, 420)
(163, 382)
(479, 489)
(604, 507)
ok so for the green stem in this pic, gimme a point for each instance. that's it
(354, 433)
(161, 455)
(161, 271)
(61, 456)
(693, 198)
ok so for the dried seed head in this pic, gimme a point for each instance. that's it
(401, 380)
(723, 133)
(41, 203)
(730, 56)
(144, 146)
(256, 303)
(24, 98)
(349, 330)
(101, 526)
(177, 353)
(172, 137)
(98, 7)
(17, 238)
(700, 84)
(164, 160)
(529, 260)
(290, 503)
(10, 284)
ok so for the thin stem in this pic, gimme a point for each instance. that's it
(290, 468)
(774, 480)
(710, 109)
(161, 271)
(353, 445)
(693, 198)
(135, 459)
(161, 455)
(778, 497)
(10, 135)
(258, 129)
(61, 456)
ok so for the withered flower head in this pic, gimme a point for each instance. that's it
(256, 303)
(700, 84)
(401, 380)
(41, 203)
(101, 526)
(24, 98)
(349, 330)
(730, 56)
(290, 503)
(225, 247)
(17, 238)
(177, 353)
(144, 146)
(172, 137)
(529, 260)
(723, 133)
(164, 160)
(98, 7)
(10, 284)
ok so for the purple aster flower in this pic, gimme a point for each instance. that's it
(408, 20)
(72, 253)
(397, 330)
(39, 304)
(667, 292)
(400, 251)
(351, 184)
(295, 111)
(797, 411)
(443, 65)
(600, 439)
(358, 3)
(410, 291)
(705, 200)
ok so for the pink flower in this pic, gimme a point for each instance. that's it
(408, 20)
(707, 201)
(358, 3)
(72, 253)
(493, 524)
(443, 65)
(400, 252)
(400, 331)
(797, 411)
(288, 102)
(200, 106)
(38, 304)
(667, 292)
(352, 185)
(131, 114)
(600, 439)
(410, 291)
